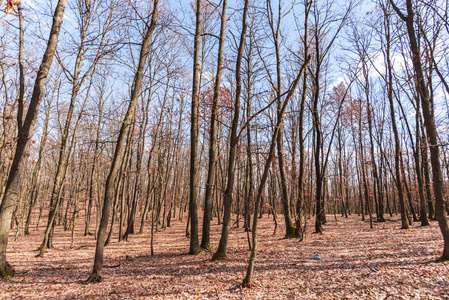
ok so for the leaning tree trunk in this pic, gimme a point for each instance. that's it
(429, 122)
(25, 130)
(271, 155)
(95, 276)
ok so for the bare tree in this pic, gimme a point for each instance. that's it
(429, 122)
(194, 130)
(25, 129)
(210, 185)
(95, 276)
(233, 141)
(247, 281)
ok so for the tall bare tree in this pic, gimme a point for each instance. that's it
(95, 276)
(233, 141)
(247, 281)
(25, 130)
(210, 185)
(194, 131)
(429, 122)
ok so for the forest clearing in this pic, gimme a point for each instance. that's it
(357, 263)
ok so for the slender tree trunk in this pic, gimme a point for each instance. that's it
(423, 210)
(36, 172)
(92, 171)
(205, 242)
(247, 281)
(319, 210)
(275, 30)
(249, 176)
(407, 190)
(193, 206)
(398, 179)
(376, 189)
(427, 181)
(95, 276)
(300, 204)
(65, 152)
(362, 164)
(221, 251)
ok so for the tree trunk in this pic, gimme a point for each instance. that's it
(221, 251)
(25, 131)
(429, 122)
(247, 281)
(275, 31)
(95, 276)
(205, 241)
(193, 206)
(300, 204)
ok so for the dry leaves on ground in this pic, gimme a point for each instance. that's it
(357, 263)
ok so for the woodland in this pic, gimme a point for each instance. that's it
(215, 149)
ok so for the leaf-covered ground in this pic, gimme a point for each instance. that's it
(357, 263)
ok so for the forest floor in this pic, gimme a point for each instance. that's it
(357, 263)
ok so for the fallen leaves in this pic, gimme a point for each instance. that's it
(359, 264)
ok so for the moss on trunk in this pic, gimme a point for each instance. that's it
(442, 259)
(205, 246)
(290, 232)
(220, 254)
(7, 271)
(93, 278)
